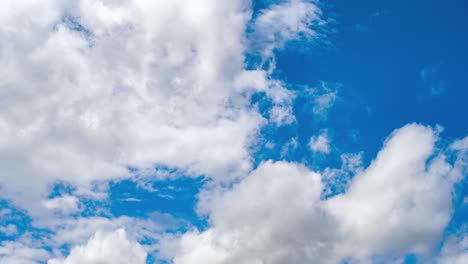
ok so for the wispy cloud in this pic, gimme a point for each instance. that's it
(431, 79)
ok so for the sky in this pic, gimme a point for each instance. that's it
(222, 132)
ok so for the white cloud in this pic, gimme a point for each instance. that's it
(9, 229)
(20, 253)
(324, 97)
(336, 180)
(320, 143)
(280, 23)
(454, 250)
(324, 102)
(65, 204)
(387, 206)
(275, 203)
(282, 99)
(282, 115)
(389, 210)
(106, 248)
(290, 146)
(91, 87)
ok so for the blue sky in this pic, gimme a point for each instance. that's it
(234, 132)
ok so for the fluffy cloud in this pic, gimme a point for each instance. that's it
(106, 248)
(90, 88)
(21, 252)
(320, 143)
(276, 214)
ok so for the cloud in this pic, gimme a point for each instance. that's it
(93, 91)
(336, 180)
(281, 115)
(324, 97)
(9, 229)
(65, 204)
(454, 250)
(388, 210)
(106, 248)
(320, 143)
(430, 77)
(24, 250)
(91, 88)
(283, 22)
(324, 102)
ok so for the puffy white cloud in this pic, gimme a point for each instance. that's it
(400, 204)
(387, 206)
(105, 248)
(320, 143)
(90, 88)
(265, 218)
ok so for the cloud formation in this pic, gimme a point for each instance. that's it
(320, 143)
(106, 248)
(276, 214)
(91, 88)
(94, 91)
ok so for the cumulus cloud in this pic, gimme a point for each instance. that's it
(320, 143)
(90, 88)
(106, 248)
(276, 214)
(95, 90)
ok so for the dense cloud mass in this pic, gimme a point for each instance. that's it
(94, 87)
(100, 90)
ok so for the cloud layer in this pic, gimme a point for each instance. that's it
(95, 91)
